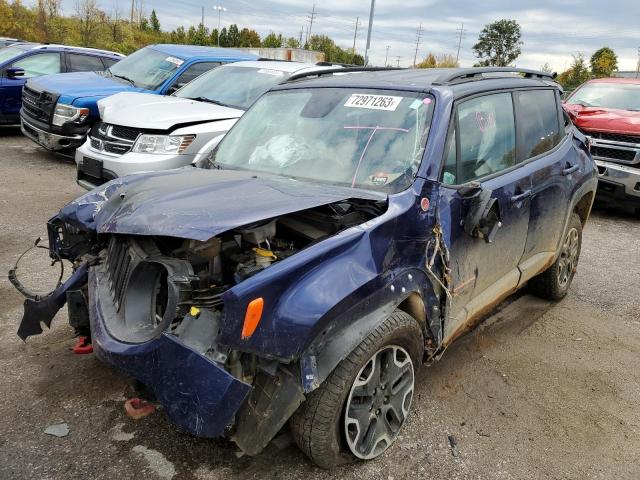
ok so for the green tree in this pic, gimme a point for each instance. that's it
(233, 36)
(499, 43)
(224, 41)
(604, 62)
(576, 75)
(291, 42)
(213, 38)
(546, 68)
(155, 22)
(249, 38)
(272, 41)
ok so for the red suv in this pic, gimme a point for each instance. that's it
(607, 110)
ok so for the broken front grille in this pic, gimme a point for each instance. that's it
(615, 137)
(614, 154)
(118, 263)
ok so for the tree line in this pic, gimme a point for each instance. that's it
(126, 32)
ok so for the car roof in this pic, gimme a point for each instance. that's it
(52, 46)
(616, 80)
(190, 51)
(462, 81)
(282, 65)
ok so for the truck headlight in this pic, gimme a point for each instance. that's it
(162, 143)
(68, 113)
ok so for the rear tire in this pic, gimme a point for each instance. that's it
(554, 282)
(373, 384)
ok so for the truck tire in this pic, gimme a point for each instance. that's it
(554, 282)
(364, 390)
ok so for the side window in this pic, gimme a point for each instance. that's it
(109, 62)
(192, 72)
(39, 64)
(450, 163)
(485, 139)
(84, 63)
(538, 123)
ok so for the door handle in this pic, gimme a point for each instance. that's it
(518, 198)
(570, 170)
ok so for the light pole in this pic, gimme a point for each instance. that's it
(386, 56)
(366, 50)
(220, 9)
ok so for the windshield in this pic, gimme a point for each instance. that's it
(232, 86)
(370, 139)
(146, 68)
(8, 53)
(622, 96)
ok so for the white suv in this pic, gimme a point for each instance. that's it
(140, 132)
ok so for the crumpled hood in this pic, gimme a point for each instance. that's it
(158, 112)
(76, 85)
(604, 119)
(197, 204)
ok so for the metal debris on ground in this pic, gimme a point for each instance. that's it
(454, 445)
(57, 430)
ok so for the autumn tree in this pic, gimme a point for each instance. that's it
(89, 17)
(498, 44)
(441, 61)
(576, 75)
(249, 38)
(546, 68)
(428, 62)
(603, 63)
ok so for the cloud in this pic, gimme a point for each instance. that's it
(552, 30)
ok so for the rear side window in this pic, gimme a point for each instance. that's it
(483, 140)
(84, 63)
(194, 71)
(108, 62)
(538, 122)
(39, 64)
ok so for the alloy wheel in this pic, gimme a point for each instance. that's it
(379, 402)
(568, 260)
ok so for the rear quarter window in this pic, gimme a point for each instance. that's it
(538, 122)
(84, 63)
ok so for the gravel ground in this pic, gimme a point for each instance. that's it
(538, 391)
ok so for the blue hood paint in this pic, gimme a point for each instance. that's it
(197, 204)
(74, 86)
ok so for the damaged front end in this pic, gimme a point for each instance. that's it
(163, 308)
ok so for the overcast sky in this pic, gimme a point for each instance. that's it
(551, 30)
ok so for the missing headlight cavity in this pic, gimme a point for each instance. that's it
(154, 282)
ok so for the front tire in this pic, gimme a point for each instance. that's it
(554, 282)
(359, 409)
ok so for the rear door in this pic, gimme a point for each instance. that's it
(482, 148)
(77, 62)
(547, 152)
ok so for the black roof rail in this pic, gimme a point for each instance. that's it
(336, 64)
(461, 75)
(331, 71)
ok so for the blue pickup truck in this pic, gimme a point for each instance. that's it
(58, 110)
(21, 61)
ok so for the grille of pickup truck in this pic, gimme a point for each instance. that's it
(118, 263)
(614, 154)
(113, 139)
(38, 105)
(615, 137)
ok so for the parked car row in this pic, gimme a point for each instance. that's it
(339, 227)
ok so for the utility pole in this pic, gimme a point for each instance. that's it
(386, 56)
(418, 37)
(311, 17)
(366, 50)
(461, 30)
(355, 34)
(202, 21)
(638, 65)
(301, 32)
(398, 61)
(132, 9)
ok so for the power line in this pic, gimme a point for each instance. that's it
(461, 30)
(311, 17)
(418, 37)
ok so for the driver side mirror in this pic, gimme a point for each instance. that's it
(483, 215)
(13, 72)
(175, 87)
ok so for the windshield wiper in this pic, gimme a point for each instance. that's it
(124, 78)
(215, 102)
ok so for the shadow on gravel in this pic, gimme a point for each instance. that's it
(10, 132)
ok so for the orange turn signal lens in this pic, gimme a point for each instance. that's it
(252, 317)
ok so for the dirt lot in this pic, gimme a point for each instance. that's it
(539, 391)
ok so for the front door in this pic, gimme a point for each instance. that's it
(481, 148)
